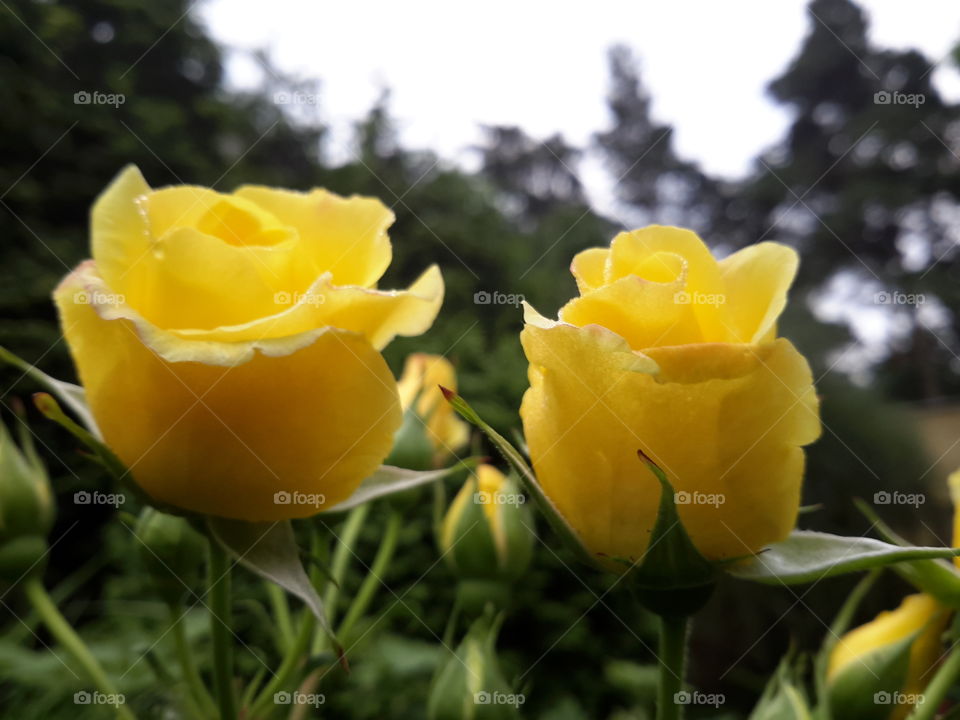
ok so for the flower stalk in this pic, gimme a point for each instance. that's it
(219, 571)
(61, 629)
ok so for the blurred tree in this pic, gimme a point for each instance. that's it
(865, 183)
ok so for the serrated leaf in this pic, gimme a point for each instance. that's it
(73, 396)
(389, 479)
(808, 556)
(527, 478)
(270, 550)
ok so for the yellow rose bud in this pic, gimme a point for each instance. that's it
(669, 351)
(418, 388)
(487, 532)
(880, 669)
(229, 344)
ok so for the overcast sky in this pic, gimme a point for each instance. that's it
(542, 65)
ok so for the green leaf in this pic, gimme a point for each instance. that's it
(270, 550)
(527, 478)
(808, 556)
(388, 480)
(73, 396)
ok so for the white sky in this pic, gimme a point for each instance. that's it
(542, 65)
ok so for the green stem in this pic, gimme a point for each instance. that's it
(291, 662)
(673, 647)
(68, 638)
(281, 613)
(338, 566)
(943, 681)
(187, 666)
(371, 583)
(219, 579)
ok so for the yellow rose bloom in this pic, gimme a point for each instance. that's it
(953, 484)
(418, 388)
(669, 351)
(919, 617)
(229, 343)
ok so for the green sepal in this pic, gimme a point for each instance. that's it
(270, 550)
(412, 448)
(527, 479)
(784, 697)
(860, 689)
(470, 684)
(672, 578)
(50, 409)
(807, 556)
(73, 396)
(388, 480)
(841, 623)
(934, 577)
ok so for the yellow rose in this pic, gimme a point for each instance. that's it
(229, 343)
(904, 643)
(669, 351)
(418, 387)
